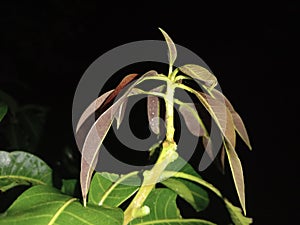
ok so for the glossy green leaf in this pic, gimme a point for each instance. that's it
(112, 190)
(194, 194)
(3, 110)
(163, 210)
(237, 173)
(236, 214)
(96, 135)
(172, 53)
(199, 73)
(22, 168)
(69, 186)
(44, 205)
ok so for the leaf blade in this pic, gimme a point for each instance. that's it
(47, 205)
(22, 168)
(3, 110)
(172, 53)
(199, 73)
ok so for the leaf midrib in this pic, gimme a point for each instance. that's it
(30, 180)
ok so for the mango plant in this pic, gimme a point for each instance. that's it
(136, 198)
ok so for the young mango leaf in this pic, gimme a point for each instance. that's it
(3, 110)
(44, 205)
(200, 73)
(194, 194)
(22, 168)
(237, 173)
(112, 190)
(153, 109)
(236, 214)
(120, 113)
(172, 53)
(164, 211)
(96, 135)
(237, 120)
(192, 119)
(96, 104)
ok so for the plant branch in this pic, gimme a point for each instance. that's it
(167, 155)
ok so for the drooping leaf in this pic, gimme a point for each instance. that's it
(153, 109)
(112, 190)
(194, 194)
(120, 113)
(96, 104)
(171, 46)
(163, 210)
(237, 173)
(96, 135)
(69, 186)
(192, 119)
(237, 120)
(124, 82)
(22, 168)
(44, 205)
(199, 73)
(3, 110)
(236, 214)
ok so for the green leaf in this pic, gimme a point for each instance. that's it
(69, 186)
(163, 210)
(237, 173)
(172, 54)
(3, 110)
(112, 190)
(9, 101)
(194, 194)
(236, 214)
(95, 136)
(200, 73)
(44, 205)
(22, 168)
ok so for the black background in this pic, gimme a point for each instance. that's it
(252, 49)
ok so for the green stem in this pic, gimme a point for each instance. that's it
(168, 154)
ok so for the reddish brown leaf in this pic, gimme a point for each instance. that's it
(153, 109)
(96, 135)
(192, 119)
(237, 120)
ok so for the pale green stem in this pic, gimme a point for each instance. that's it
(168, 154)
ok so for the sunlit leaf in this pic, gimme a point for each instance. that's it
(22, 168)
(3, 110)
(237, 120)
(45, 205)
(109, 189)
(96, 135)
(237, 173)
(153, 109)
(199, 73)
(192, 119)
(163, 210)
(171, 46)
(236, 214)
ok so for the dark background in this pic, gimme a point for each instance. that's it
(252, 49)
